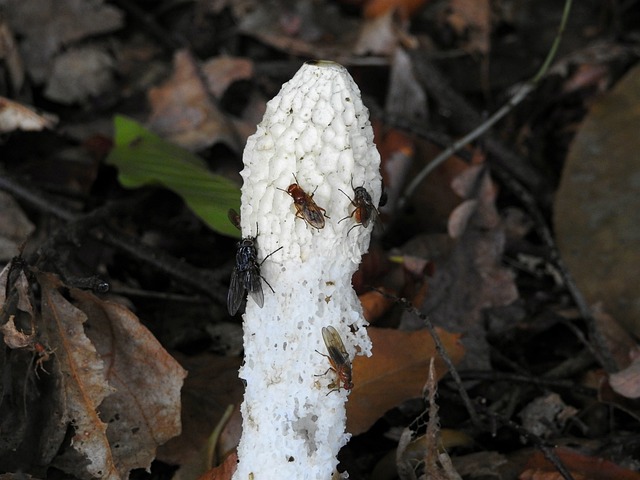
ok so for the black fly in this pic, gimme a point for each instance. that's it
(365, 208)
(246, 273)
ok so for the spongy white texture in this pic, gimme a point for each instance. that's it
(317, 129)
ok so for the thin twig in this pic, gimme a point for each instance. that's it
(526, 380)
(520, 95)
(546, 450)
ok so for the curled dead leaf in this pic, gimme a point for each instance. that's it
(15, 116)
(405, 8)
(224, 471)
(374, 305)
(182, 110)
(396, 371)
(109, 396)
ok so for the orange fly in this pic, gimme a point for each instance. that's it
(306, 207)
(364, 206)
(338, 358)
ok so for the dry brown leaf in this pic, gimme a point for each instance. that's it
(396, 152)
(606, 394)
(305, 29)
(618, 341)
(19, 300)
(222, 71)
(224, 471)
(596, 230)
(101, 394)
(374, 305)
(396, 372)
(183, 112)
(472, 18)
(49, 25)
(437, 463)
(378, 35)
(627, 382)
(79, 74)
(83, 385)
(579, 465)
(405, 8)
(546, 415)
(211, 386)
(14, 338)
(144, 410)
(434, 200)
(460, 217)
(15, 116)
(15, 227)
(10, 55)
(472, 277)
(406, 98)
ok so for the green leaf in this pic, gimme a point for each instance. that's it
(143, 158)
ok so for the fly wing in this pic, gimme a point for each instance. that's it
(254, 286)
(236, 292)
(335, 346)
(313, 215)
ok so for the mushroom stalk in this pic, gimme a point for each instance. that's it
(315, 140)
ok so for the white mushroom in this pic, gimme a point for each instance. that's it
(317, 129)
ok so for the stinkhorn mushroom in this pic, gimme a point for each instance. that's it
(314, 141)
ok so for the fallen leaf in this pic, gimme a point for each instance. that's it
(50, 25)
(606, 394)
(105, 393)
(183, 112)
(144, 410)
(397, 150)
(15, 227)
(547, 415)
(10, 55)
(80, 74)
(406, 99)
(437, 461)
(14, 338)
(305, 29)
(617, 339)
(378, 35)
(472, 19)
(471, 277)
(579, 465)
(15, 116)
(224, 471)
(397, 371)
(460, 217)
(211, 386)
(596, 235)
(374, 305)
(222, 71)
(480, 464)
(627, 382)
(83, 386)
(405, 8)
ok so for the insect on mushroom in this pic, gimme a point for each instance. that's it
(306, 207)
(246, 273)
(338, 358)
(364, 207)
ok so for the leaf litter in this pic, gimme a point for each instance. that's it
(105, 378)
